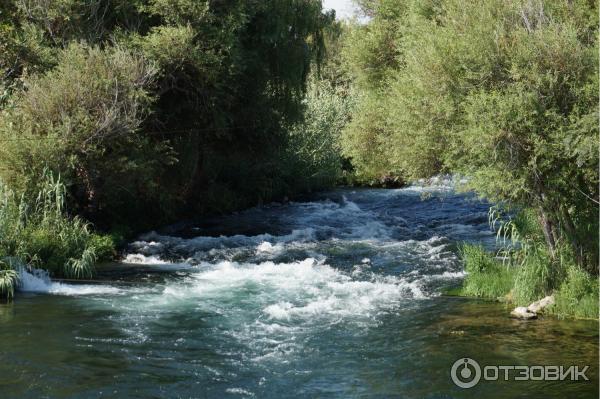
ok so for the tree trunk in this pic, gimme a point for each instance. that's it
(90, 200)
(548, 227)
(569, 227)
(547, 218)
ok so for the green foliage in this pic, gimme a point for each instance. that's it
(577, 295)
(362, 141)
(82, 120)
(371, 56)
(535, 278)
(9, 279)
(504, 92)
(528, 272)
(487, 277)
(37, 232)
(103, 246)
(536, 272)
(62, 21)
(154, 107)
(313, 155)
(178, 12)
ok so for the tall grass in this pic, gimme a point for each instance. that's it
(577, 295)
(9, 278)
(487, 277)
(39, 233)
(536, 277)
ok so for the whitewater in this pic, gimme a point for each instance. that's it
(336, 295)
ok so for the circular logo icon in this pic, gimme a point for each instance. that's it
(465, 373)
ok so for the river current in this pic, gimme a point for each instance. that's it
(335, 296)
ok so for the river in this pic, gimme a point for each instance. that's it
(335, 296)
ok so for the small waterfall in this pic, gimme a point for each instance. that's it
(38, 280)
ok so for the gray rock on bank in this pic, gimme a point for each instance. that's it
(531, 311)
(523, 313)
(538, 306)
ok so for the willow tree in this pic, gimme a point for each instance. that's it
(228, 79)
(231, 79)
(504, 92)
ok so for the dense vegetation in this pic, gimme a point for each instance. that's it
(505, 93)
(155, 110)
(157, 107)
(38, 233)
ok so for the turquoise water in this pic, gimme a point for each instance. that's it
(337, 296)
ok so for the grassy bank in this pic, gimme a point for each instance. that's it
(525, 269)
(38, 232)
(526, 277)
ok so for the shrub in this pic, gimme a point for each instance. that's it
(532, 272)
(82, 120)
(103, 245)
(313, 151)
(9, 279)
(577, 295)
(535, 278)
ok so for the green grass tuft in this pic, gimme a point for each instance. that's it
(38, 232)
(487, 277)
(577, 295)
(535, 278)
(9, 278)
(529, 272)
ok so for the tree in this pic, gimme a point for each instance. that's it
(119, 97)
(502, 92)
(82, 121)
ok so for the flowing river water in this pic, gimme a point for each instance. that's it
(337, 296)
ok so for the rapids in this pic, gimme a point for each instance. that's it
(338, 295)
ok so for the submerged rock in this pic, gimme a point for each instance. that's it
(540, 305)
(524, 313)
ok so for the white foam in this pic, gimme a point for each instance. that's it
(344, 220)
(38, 280)
(239, 391)
(437, 184)
(357, 223)
(446, 276)
(155, 262)
(266, 247)
(205, 243)
(140, 259)
(148, 247)
(296, 290)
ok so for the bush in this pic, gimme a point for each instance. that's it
(487, 277)
(81, 120)
(577, 295)
(103, 246)
(9, 278)
(313, 157)
(504, 92)
(530, 272)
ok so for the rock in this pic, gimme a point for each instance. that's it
(523, 313)
(539, 306)
(389, 181)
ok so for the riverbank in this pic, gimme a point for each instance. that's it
(524, 278)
